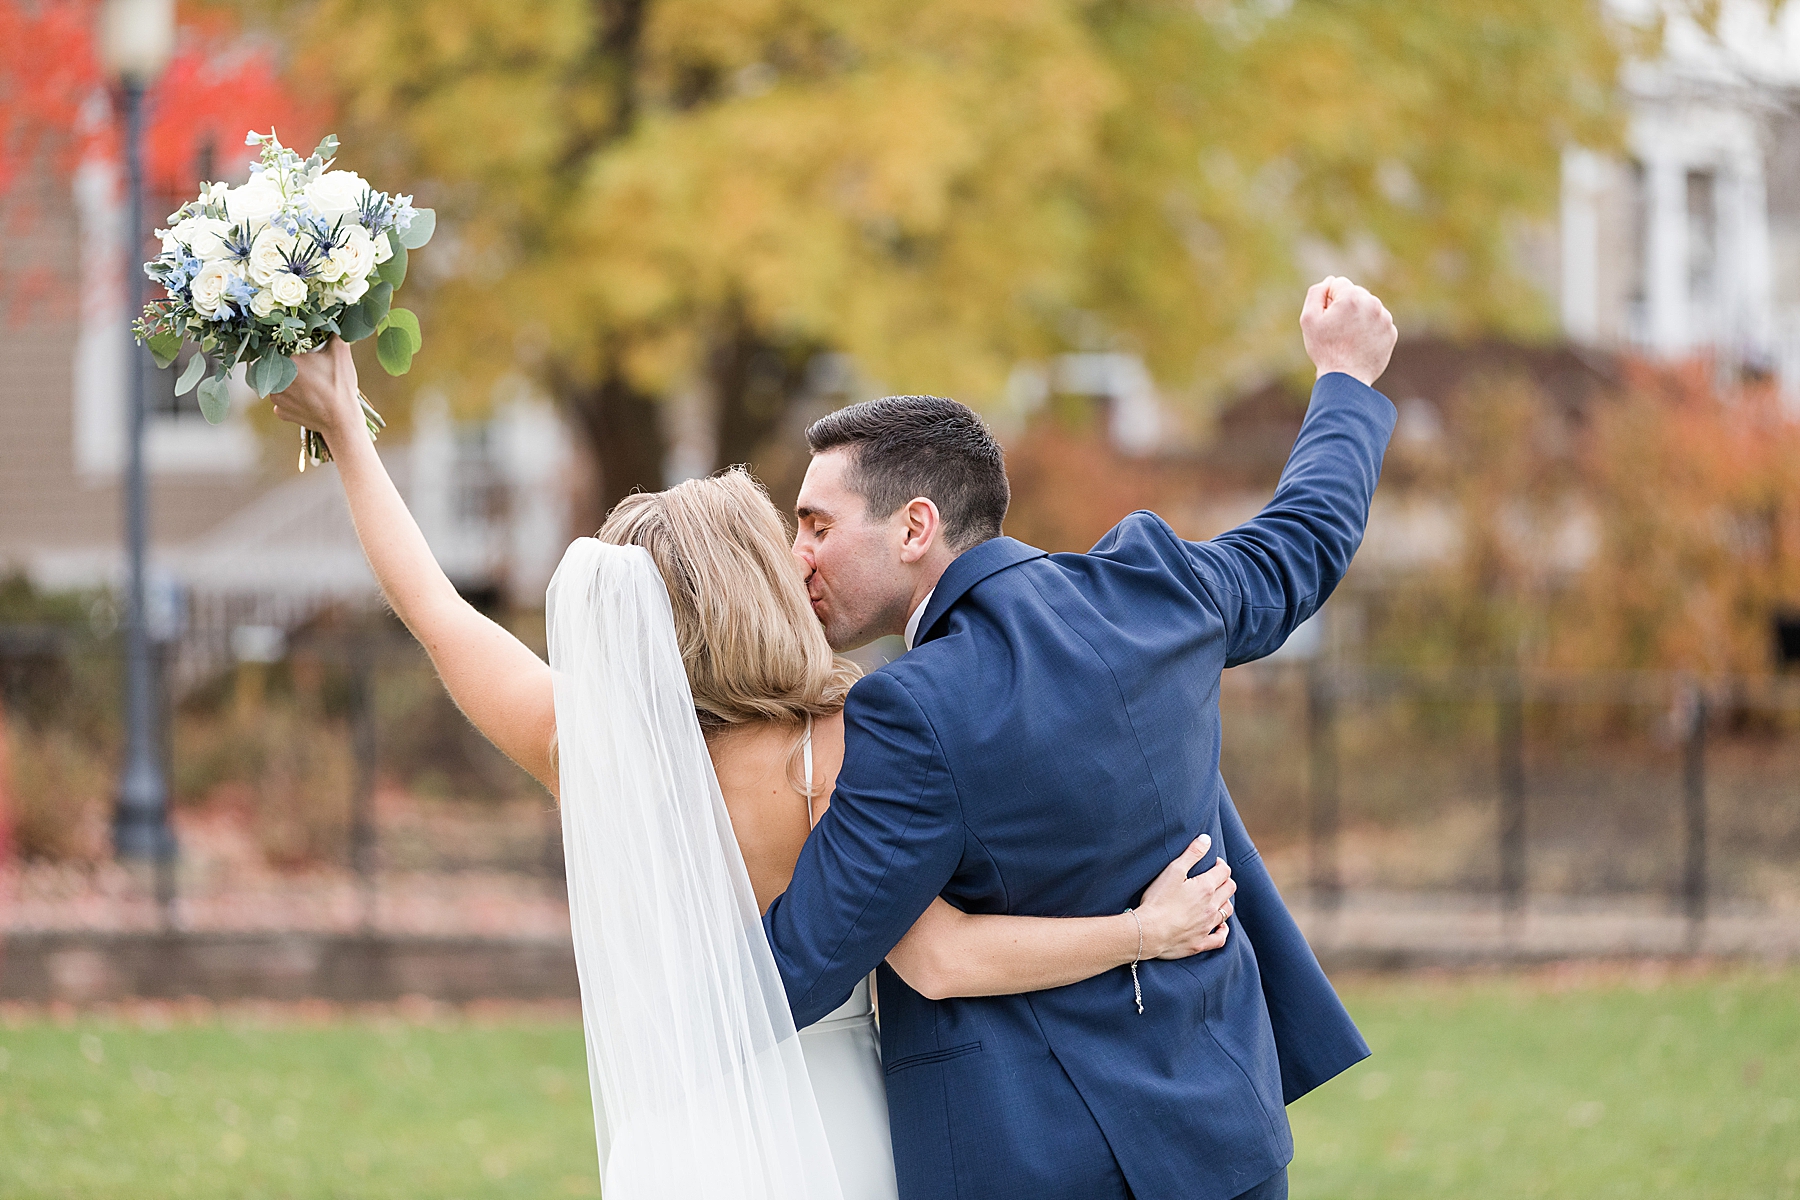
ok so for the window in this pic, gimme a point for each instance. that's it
(1633, 248)
(1702, 245)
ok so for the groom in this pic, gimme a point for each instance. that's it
(1053, 731)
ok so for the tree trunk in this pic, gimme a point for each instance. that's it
(756, 381)
(625, 442)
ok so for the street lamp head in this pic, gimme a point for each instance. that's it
(137, 39)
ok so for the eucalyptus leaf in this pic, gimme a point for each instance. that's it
(377, 301)
(272, 373)
(215, 397)
(354, 323)
(394, 348)
(290, 370)
(393, 271)
(196, 367)
(424, 224)
(164, 348)
(407, 320)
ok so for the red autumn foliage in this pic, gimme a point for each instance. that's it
(1657, 528)
(56, 111)
(1698, 489)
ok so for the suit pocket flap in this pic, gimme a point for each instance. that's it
(933, 1056)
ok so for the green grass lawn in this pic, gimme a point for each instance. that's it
(1512, 1088)
(361, 1108)
(1480, 1087)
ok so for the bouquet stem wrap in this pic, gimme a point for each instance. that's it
(314, 451)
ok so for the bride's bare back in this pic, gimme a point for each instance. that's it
(757, 772)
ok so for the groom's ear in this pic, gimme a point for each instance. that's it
(921, 528)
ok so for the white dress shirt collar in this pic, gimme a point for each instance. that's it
(912, 622)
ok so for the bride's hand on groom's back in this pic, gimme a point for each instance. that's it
(1184, 916)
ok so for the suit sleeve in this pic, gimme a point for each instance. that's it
(888, 844)
(1274, 571)
(1315, 1038)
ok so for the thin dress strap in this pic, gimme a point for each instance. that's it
(806, 762)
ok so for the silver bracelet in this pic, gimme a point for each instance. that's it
(1137, 992)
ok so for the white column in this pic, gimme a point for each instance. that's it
(532, 447)
(1747, 255)
(1666, 253)
(431, 488)
(100, 362)
(690, 428)
(1581, 173)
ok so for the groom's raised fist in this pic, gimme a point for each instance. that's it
(1347, 329)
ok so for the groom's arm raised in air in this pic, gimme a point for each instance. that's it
(1274, 571)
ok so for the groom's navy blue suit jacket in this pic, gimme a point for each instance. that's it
(1049, 745)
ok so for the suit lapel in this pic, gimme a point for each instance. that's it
(970, 568)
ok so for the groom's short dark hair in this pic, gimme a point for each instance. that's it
(907, 446)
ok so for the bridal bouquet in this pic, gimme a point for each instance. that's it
(259, 273)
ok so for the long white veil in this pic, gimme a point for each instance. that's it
(698, 1081)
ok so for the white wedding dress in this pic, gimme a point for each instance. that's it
(701, 1085)
(843, 1056)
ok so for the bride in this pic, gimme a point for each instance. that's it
(690, 722)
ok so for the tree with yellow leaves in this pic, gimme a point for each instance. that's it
(642, 196)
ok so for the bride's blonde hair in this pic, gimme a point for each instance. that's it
(753, 649)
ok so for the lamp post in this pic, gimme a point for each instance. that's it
(137, 39)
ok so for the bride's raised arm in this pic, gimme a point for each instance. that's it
(495, 679)
(952, 953)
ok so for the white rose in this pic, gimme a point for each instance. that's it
(269, 254)
(336, 193)
(333, 265)
(288, 289)
(352, 290)
(255, 202)
(169, 243)
(263, 303)
(209, 287)
(203, 236)
(384, 249)
(361, 254)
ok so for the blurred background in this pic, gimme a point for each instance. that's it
(1549, 719)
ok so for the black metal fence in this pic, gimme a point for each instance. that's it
(1520, 785)
(335, 748)
(1505, 787)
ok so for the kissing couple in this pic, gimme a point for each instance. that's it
(1088, 986)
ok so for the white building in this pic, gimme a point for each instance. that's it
(1689, 241)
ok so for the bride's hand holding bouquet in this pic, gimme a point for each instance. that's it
(323, 396)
